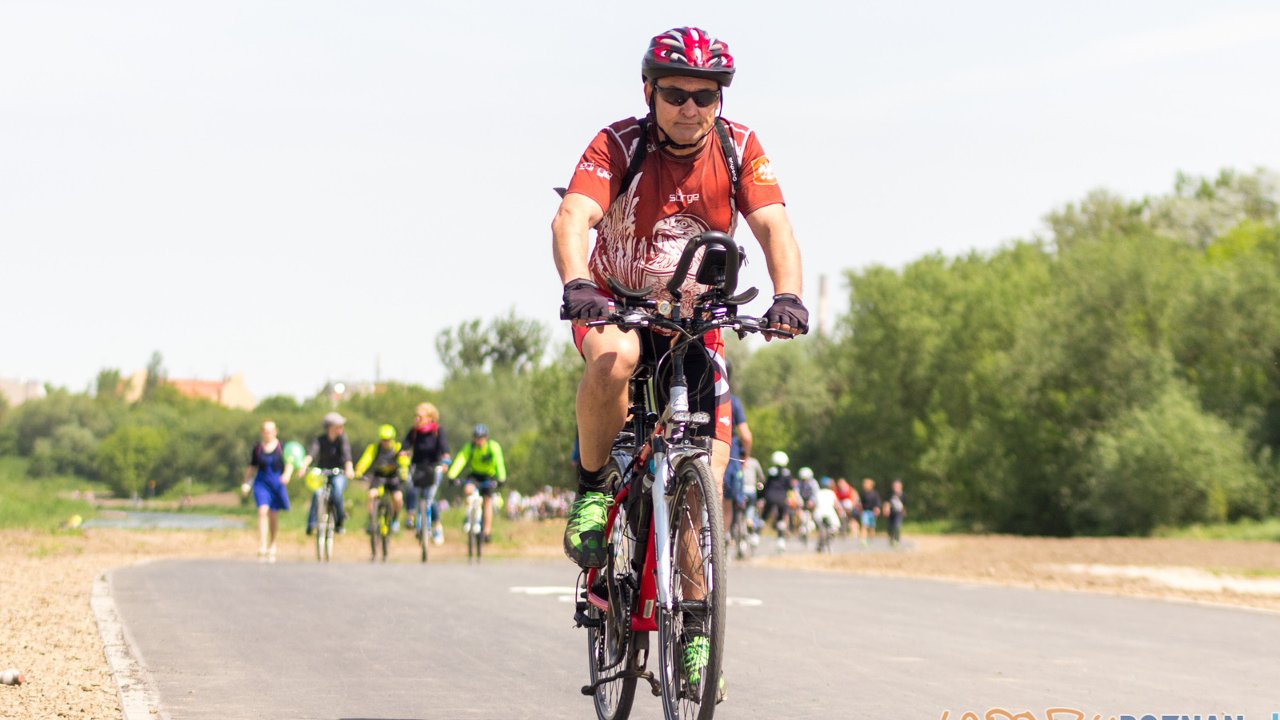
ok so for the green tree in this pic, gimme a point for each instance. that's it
(507, 344)
(128, 456)
(1168, 463)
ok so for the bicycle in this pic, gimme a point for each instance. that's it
(666, 509)
(326, 511)
(425, 512)
(740, 534)
(380, 524)
(825, 535)
(474, 526)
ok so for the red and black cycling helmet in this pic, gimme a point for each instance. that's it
(687, 51)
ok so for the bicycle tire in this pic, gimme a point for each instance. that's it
(680, 699)
(322, 507)
(327, 531)
(384, 528)
(612, 645)
(612, 700)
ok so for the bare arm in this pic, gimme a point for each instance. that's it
(571, 235)
(772, 229)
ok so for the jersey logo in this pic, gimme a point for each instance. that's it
(590, 167)
(762, 171)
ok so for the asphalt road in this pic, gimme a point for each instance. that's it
(402, 641)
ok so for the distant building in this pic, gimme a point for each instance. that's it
(16, 392)
(338, 390)
(229, 392)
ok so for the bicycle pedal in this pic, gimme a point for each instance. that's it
(581, 619)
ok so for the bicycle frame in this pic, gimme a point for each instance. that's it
(668, 446)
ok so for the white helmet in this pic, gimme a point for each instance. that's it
(779, 458)
(806, 473)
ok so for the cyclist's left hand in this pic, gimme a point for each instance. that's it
(787, 314)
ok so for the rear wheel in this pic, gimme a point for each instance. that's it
(612, 647)
(613, 699)
(322, 522)
(698, 590)
(424, 534)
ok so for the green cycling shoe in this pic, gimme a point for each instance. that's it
(697, 653)
(584, 533)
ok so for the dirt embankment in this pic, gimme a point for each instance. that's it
(47, 629)
(1242, 573)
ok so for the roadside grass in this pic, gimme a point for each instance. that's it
(38, 503)
(1266, 530)
(933, 527)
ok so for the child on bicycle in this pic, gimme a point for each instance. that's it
(383, 467)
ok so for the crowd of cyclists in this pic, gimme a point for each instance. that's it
(804, 505)
(405, 469)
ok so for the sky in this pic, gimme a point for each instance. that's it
(311, 191)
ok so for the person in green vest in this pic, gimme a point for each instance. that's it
(482, 460)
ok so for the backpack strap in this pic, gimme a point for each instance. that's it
(731, 161)
(642, 149)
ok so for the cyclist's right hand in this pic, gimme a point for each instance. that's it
(583, 300)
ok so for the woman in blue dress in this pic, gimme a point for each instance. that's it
(270, 473)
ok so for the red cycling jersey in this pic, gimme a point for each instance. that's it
(671, 199)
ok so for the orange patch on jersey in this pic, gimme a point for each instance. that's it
(762, 171)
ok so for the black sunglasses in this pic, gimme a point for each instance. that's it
(676, 96)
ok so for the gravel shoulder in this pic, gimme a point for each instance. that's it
(48, 631)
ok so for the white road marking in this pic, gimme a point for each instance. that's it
(542, 590)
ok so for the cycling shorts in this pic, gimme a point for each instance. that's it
(392, 484)
(703, 369)
(485, 484)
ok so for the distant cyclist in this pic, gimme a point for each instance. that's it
(739, 451)
(826, 507)
(331, 450)
(383, 467)
(482, 460)
(777, 484)
(426, 447)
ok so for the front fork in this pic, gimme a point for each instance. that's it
(662, 479)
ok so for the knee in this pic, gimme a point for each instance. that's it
(611, 362)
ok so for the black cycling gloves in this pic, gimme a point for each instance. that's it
(788, 310)
(583, 300)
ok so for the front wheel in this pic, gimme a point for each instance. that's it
(692, 631)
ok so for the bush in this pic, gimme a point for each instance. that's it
(127, 457)
(1168, 463)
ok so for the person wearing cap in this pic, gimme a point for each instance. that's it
(330, 450)
(482, 459)
(382, 466)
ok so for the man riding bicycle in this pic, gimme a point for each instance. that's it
(383, 467)
(647, 186)
(330, 451)
(482, 459)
